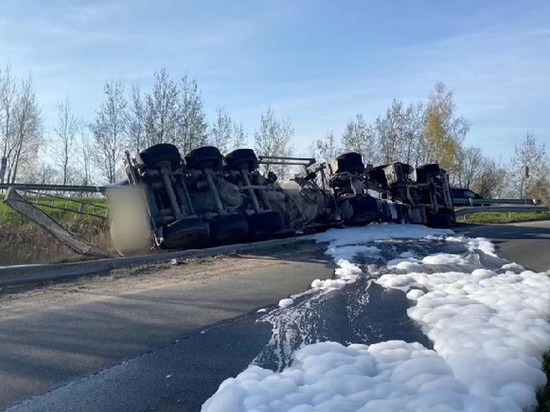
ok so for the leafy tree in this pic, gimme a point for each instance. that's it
(443, 131)
(109, 130)
(273, 138)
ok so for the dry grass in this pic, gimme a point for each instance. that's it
(24, 242)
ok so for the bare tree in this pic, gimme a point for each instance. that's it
(42, 174)
(221, 131)
(27, 133)
(8, 96)
(273, 138)
(192, 127)
(240, 139)
(413, 143)
(492, 179)
(533, 155)
(64, 138)
(361, 138)
(136, 127)
(399, 136)
(390, 131)
(161, 110)
(109, 130)
(86, 153)
(470, 164)
(326, 149)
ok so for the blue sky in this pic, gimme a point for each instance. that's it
(315, 62)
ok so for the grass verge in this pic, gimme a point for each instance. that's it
(24, 242)
(496, 218)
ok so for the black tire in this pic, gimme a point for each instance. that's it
(364, 209)
(378, 176)
(207, 157)
(229, 228)
(424, 172)
(265, 223)
(351, 162)
(444, 220)
(185, 233)
(242, 159)
(158, 154)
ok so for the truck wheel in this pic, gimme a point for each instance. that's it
(207, 157)
(160, 153)
(185, 234)
(360, 210)
(425, 171)
(350, 162)
(365, 210)
(442, 220)
(265, 222)
(229, 228)
(241, 159)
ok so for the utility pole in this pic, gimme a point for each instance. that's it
(3, 167)
(524, 175)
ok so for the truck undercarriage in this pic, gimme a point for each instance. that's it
(205, 198)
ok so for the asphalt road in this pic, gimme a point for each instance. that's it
(164, 345)
(67, 331)
(526, 243)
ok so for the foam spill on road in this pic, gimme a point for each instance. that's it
(489, 326)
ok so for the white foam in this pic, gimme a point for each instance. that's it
(377, 232)
(388, 376)
(512, 266)
(346, 244)
(488, 330)
(283, 303)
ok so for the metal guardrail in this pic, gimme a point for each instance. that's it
(501, 209)
(54, 188)
(475, 202)
(68, 204)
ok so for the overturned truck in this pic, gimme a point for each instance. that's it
(205, 198)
